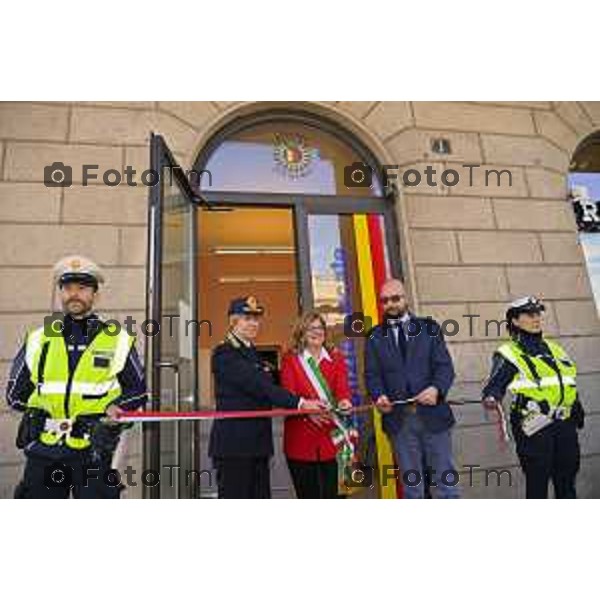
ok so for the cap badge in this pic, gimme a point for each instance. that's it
(252, 303)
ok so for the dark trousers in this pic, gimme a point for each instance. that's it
(314, 479)
(551, 454)
(243, 477)
(80, 477)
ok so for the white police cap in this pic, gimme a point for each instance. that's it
(79, 269)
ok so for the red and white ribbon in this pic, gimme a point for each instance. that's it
(208, 415)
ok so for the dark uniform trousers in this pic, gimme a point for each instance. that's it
(243, 477)
(82, 476)
(551, 454)
(315, 480)
(241, 448)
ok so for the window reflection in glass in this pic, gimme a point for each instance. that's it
(584, 193)
(333, 266)
(284, 157)
(335, 287)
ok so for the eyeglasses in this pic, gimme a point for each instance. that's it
(393, 298)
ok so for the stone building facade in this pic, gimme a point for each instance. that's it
(466, 249)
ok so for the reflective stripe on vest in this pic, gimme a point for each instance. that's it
(90, 389)
(547, 385)
(33, 347)
(521, 384)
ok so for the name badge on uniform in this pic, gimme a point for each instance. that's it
(534, 422)
(102, 360)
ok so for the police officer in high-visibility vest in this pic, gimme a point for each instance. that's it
(71, 378)
(545, 411)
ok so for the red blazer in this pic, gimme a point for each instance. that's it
(302, 438)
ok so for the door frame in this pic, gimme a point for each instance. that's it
(304, 205)
(161, 157)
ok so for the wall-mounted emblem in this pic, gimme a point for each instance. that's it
(587, 209)
(293, 155)
(440, 146)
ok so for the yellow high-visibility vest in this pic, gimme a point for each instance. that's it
(87, 391)
(536, 380)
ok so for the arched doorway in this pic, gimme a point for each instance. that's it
(584, 193)
(282, 205)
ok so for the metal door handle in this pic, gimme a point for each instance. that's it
(174, 366)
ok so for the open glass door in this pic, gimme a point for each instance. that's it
(171, 364)
(348, 254)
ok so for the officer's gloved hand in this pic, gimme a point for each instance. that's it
(104, 437)
(544, 407)
(31, 427)
(578, 414)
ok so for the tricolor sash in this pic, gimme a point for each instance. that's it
(343, 434)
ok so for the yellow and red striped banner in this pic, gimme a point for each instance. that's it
(373, 270)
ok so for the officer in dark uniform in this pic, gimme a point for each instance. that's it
(546, 411)
(59, 450)
(241, 448)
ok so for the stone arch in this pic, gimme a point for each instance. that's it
(349, 116)
(568, 124)
(343, 118)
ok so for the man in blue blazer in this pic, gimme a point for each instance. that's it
(408, 373)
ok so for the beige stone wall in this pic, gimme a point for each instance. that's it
(466, 249)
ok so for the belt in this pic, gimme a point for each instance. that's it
(60, 427)
(560, 413)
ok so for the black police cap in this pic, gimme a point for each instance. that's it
(245, 306)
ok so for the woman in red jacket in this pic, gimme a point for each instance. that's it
(316, 448)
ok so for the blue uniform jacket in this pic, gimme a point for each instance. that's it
(241, 383)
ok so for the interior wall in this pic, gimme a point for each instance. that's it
(271, 277)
